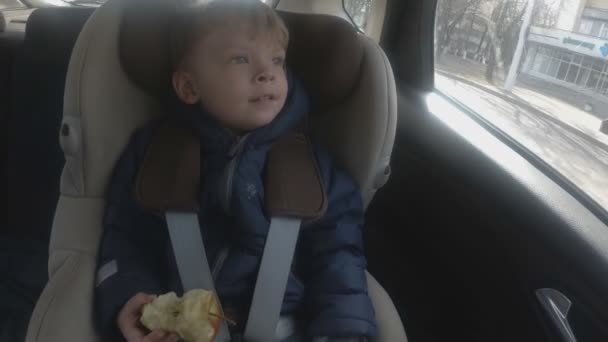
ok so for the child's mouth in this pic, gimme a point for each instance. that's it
(262, 98)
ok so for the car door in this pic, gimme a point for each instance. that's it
(493, 226)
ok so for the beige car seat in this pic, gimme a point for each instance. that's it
(118, 71)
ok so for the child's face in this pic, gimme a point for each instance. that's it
(238, 76)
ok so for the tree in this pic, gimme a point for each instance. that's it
(546, 13)
(450, 13)
(507, 17)
(504, 25)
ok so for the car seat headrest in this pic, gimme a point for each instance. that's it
(51, 33)
(324, 51)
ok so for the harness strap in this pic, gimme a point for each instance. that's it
(169, 182)
(191, 258)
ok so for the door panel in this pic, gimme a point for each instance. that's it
(471, 224)
(467, 230)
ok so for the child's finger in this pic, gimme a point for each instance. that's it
(155, 336)
(142, 298)
(160, 336)
(135, 304)
(132, 334)
(128, 326)
(171, 338)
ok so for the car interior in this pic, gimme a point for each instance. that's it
(469, 236)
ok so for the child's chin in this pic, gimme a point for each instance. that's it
(262, 119)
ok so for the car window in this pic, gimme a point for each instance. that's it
(538, 71)
(64, 3)
(359, 11)
(92, 3)
(10, 4)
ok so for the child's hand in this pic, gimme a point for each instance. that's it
(131, 329)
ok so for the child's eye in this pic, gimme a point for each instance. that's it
(239, 60)
(278, 60)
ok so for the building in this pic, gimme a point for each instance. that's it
(574, 54)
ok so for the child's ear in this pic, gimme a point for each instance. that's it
(185, 88)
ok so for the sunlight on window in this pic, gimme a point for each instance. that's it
(485, 142)
(54, 2)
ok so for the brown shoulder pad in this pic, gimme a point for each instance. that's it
(169, 177)
(293, 183)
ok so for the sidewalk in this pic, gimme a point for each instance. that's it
(576, 120)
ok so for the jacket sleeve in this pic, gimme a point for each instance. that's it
(333, 261)
(132, 253)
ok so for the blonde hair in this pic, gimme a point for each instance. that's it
(194, 20)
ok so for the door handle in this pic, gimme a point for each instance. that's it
(557, 306)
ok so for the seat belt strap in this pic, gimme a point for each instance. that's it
(271, 283)
(191, 258)
(189, 251)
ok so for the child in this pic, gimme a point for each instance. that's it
(234, 91)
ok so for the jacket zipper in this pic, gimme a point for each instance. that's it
(219, 262)
(234, 154)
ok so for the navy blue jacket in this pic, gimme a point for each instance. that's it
(327, 286)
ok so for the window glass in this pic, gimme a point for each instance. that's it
(65, 3)
(9, 4)
(538, 71)
(586, 26)
(604, 30)
(359, 11)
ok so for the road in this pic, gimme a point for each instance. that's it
(582, 160)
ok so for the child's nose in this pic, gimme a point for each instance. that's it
(264, 76)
